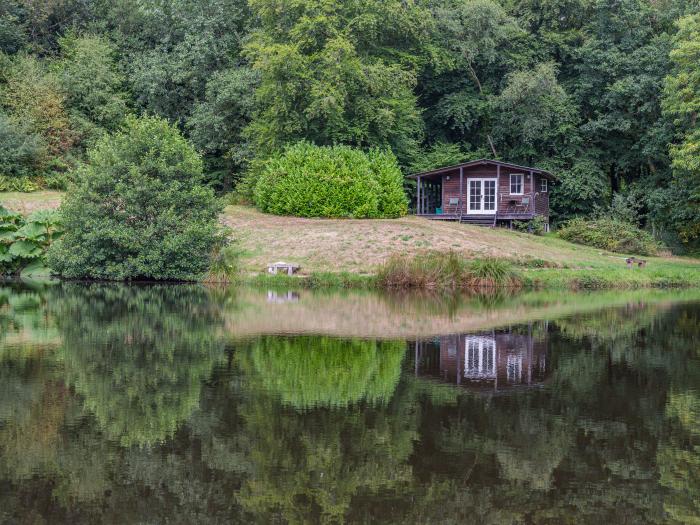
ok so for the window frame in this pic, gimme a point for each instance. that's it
(544, 185)
(522, 183)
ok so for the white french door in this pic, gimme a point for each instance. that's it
(481, 196)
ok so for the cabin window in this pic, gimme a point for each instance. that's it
(543, 185)
(516, 184)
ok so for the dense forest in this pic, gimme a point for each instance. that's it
(604, 93)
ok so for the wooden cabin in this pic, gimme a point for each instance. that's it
(484, 192)
(489, 361)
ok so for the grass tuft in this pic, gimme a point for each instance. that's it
(448, 270)
(225, 265)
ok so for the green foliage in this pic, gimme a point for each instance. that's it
(225, 264)
(20, 150)
(339, 181)
(609, 234)
(446, 271)
(24, 241)
(172, 50)
(534, 226)
(33, 99)
(341, 73)
(439, 155)
(23, 184)
(92, 83)
(217, 123)
(682, 103)
(580, 190)
(138, 210)
(534, 116)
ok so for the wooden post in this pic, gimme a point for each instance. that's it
(461, 191)
(532, 191)
(418, 203)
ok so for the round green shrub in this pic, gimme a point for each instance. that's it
(609, 234)
(339, 181)
(139, 210)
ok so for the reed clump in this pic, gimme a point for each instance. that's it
(448, 271)
(224, 265)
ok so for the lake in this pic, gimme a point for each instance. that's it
(189, 404)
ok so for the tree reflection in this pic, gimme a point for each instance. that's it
(321, 423)
(137, 355)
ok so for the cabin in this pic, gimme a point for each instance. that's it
(494, 361)
(484, 192)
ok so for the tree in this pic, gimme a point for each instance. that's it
(534, 116)
(33, 99)
(682, 103)
(21, 151)
(174, 47)
(473, 32)
(93, 84)
(217, 123)
(330, 75)
(139, 210)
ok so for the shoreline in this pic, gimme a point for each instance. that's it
(541, 279)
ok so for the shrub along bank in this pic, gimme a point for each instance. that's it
(139, 210)
(610, 234)
(339, 181)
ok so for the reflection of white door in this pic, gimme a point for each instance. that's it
(480, 357)
(514, 369)
(481, 196)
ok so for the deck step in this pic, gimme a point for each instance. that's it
(477, 220)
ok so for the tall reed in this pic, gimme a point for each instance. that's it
(446, 270)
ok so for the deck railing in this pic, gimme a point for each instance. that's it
(510, 207)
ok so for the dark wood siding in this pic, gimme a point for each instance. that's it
(538, 201)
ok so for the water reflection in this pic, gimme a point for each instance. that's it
(143, 404)
(495, 360)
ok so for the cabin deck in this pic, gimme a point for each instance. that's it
(504, 215)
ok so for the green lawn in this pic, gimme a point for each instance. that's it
(29, 202)
(357, 247)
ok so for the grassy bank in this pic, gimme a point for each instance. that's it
(489, 274)
(355, 253)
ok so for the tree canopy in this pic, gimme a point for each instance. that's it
(603, 94)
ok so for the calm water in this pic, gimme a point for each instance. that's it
(183, 404)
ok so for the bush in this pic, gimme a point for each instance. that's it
(610, 234)
(338, 181)
(438, 270)
(536, 226)
(139, 210)
(24, 242)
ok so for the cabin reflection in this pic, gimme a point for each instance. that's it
(493, 361)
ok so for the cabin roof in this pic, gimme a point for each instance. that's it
(481, 162)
